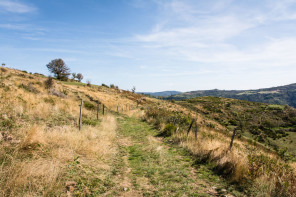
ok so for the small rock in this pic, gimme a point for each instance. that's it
(86, 191)
(5, 117)
(213, 191)
(71, 186)
(125, 189)
(8, 138)
(16, 141)
(69, 194)
(223, 190)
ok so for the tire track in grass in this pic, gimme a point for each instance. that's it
(157, 169)
(146, 166)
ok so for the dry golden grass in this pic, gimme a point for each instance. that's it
(47, 153)
(47, 145)
(46, 140)
(212, 146)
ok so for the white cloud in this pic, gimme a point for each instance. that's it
(205, 40)
(16, 7)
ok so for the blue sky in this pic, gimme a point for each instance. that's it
(155, 45)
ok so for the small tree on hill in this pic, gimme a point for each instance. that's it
(60, 70)
(74, 76)
(79, 77)
(3, 64)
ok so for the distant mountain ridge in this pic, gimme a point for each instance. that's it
(163, 93)
(276, 95)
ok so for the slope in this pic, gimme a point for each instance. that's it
(42, 152)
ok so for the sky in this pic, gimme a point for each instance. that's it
(155, 45)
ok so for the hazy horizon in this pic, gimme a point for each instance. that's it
(155, 45)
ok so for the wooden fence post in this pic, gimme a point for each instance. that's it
(103, 109)
(80, 115)
(98, 109)
(232, 138)
(195, 131)
(190, 126)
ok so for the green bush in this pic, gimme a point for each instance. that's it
(169, 130)
(233, 122)
(88, 105)
(104, 85)
(49, 100)
(90, 122)
(48, 83)
(276, 107)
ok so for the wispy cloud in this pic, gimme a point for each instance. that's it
(206, 38)
(16, 7)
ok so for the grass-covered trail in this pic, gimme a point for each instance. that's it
(146, 166)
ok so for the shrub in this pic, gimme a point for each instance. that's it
(233, 122)
(79, 77)
(168, 130)
(49, 100)
(276, 107)
(29, 88)
(90, 122)
(104, 85)
(48, 83)
(88, 83)
(88, 105)
(57, 93)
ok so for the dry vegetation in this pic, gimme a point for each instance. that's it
(251, 165)
(42, 152)
(41, 148)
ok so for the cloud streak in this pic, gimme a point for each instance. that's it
(16, 7)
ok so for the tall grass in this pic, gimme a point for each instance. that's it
(45, 148)
(260, 172)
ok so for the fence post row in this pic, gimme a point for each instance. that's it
(80, 115)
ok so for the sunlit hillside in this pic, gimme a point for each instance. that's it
(133, 146)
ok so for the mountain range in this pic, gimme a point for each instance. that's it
(283, 95)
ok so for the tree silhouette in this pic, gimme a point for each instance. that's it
(79, 76)
(59, 69)
(74, 76)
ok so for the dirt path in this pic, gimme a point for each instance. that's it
(146, 166)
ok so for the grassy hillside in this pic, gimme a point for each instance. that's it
(43, 153)
(253, 166)
(277, 95)
(266, 123)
